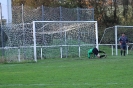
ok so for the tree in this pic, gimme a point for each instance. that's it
(125, 7)
(18, 2)
(107, 12)
(32, 3)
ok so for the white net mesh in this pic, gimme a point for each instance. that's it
(108, 36)
(68, 35)
(18, 42)
(67, 32)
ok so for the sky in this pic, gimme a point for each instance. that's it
(6, 10)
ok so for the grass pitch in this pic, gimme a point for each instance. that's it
(110, 72)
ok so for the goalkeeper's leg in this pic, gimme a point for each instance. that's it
(123, 50)
(102, 56)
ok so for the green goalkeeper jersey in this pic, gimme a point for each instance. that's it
(90, 52)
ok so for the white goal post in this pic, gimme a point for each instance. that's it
(82, 33)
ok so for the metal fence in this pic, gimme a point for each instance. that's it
(17, 43)
(27, 14)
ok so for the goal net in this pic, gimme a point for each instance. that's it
(111, 36)
(54, 39)
(17, 44)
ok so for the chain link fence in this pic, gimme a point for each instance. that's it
(17, 41)
(27, 14)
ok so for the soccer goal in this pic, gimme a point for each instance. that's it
(111, 35)
(56, 39)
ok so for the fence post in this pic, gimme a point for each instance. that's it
(127, 49)
(112, 50)
(42, 13)
(60, 13)
(41, 52)
(93, 14)
(19, 54)
(61, 51)
(79, 51)
(78, 14)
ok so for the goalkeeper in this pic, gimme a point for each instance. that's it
(96, 52)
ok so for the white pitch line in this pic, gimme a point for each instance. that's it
(74, 84)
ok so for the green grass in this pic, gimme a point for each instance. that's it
(110, 72)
